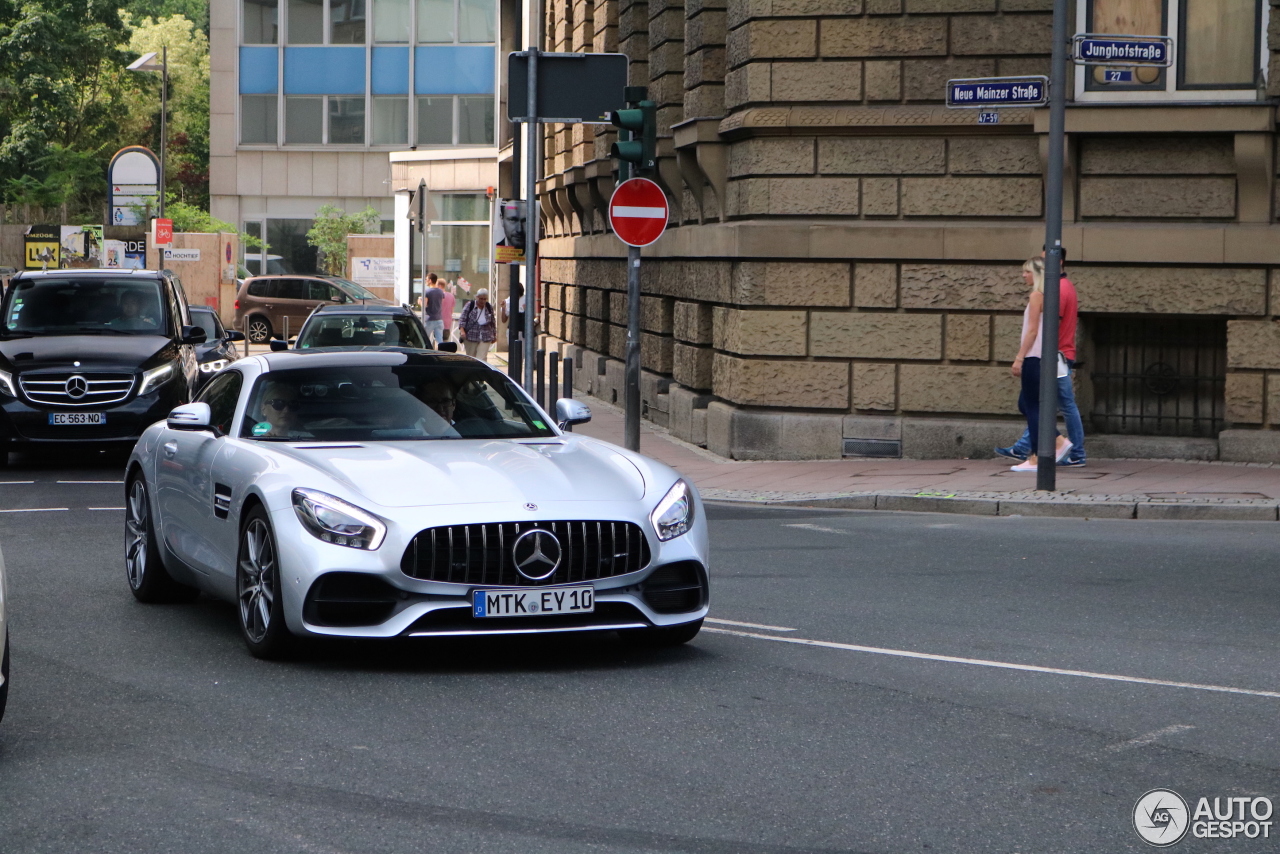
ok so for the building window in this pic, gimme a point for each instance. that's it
(346, 120)
(306, 22)
(475, 120)
(346, 21)
(261, 21)
(258, 119)
(435, 120)
(436, 20)
(475, 21)
(303, 120)
(390, 120)
(455, 120)
(1217, 49)
(391, 21)
(1215, 37)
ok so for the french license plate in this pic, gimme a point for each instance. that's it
(90, 419)
(524, 602)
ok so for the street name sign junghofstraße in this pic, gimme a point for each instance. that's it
(987, 92)
(1108, 49)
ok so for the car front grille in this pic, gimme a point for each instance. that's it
(99, 389)
(482, 554)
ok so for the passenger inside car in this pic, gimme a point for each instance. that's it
(133, 316)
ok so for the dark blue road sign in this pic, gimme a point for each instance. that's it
(1122, 50)
(983, 93)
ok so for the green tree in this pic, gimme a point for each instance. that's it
(187, 155)
(64, 96)
(329, 234)
(195, 11)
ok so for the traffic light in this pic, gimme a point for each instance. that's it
(641, 149)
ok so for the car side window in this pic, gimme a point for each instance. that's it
(222, 393)
(260, 288)
(319, 290)
(291, 289)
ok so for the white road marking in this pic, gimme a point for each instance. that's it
(1004, 665)
(36, 510)
(1149, 738)
(15, 482)
(748, 625)
(638, 212)
(807, 527)
(106, 508)
(91, 481)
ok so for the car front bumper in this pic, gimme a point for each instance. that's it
(325, 585)
(25, 423)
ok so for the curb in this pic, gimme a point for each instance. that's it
(1094, 507)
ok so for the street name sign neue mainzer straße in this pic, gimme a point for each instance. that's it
(986, 92)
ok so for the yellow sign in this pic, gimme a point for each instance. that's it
(508, 255)
(41, 254)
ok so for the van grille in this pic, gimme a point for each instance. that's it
(58, 390)
(481, 554)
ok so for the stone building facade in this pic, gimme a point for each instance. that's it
(840, 275)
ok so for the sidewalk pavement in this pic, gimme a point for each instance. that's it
(1110, 489)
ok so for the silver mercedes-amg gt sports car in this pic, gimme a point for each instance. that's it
(406, 493)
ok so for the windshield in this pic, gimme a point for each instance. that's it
(393, 403)
(85, 307)
(351, 330)
(208, 321)
(352, 288)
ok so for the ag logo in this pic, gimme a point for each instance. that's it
(536, 553)
(1160, 817)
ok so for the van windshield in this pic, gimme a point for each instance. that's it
(85, 306)
(352, 288)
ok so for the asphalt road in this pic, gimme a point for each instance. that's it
(137, 728)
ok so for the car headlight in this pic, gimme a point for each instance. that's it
(674, 514)
(6, 384)
(214, 366)
(335, 521)
(152, 379)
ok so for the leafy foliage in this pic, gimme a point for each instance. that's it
(329, 234)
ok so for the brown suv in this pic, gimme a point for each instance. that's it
(276, 306)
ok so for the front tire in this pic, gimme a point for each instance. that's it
(258, 330)
(149, 581)
(259, 603)
(666, 636)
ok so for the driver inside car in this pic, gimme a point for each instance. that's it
(131, 316)
(280, 414)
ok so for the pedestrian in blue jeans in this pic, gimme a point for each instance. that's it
(1021, 449)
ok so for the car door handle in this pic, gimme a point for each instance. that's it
(170, 448)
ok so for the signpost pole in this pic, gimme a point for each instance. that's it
(531, 209)
(164, 123)
(1046, 468)
(633, 349)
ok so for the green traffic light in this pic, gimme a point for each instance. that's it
(641, 149)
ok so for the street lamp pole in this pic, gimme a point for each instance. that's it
(164, 117)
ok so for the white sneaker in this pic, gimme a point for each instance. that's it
(1029, 465)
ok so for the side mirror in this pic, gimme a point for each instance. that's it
(235, 335)
(277, 345)
(570, 412)
(336, 298)
(447, 346)
(190, 416)
(193, 335)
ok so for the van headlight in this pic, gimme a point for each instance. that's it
(214, 366)
(335, 521)
(154, 378)
(674, 514)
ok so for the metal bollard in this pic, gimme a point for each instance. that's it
(515, 362)
(553, 379)
(568, 377)
(540, 378)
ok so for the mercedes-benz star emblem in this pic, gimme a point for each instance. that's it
(76, 387)
(531, 506)
(536, 553)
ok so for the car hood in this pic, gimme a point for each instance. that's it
(94, 352)
(476, 471)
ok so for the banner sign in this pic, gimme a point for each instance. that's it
(42, 247)
(987, 92)
(81, 246)
(125, 254)
(1106, 49)
(181, 254)
(133, 185)
(378, 272)
(508, 231)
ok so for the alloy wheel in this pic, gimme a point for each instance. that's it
(259, 331)
(137, 525)
(257, 580)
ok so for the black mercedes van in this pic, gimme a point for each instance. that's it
(92, 357)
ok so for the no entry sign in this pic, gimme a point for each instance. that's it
(638, 212)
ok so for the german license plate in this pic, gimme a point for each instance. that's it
(82, 419)
(524, 602)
